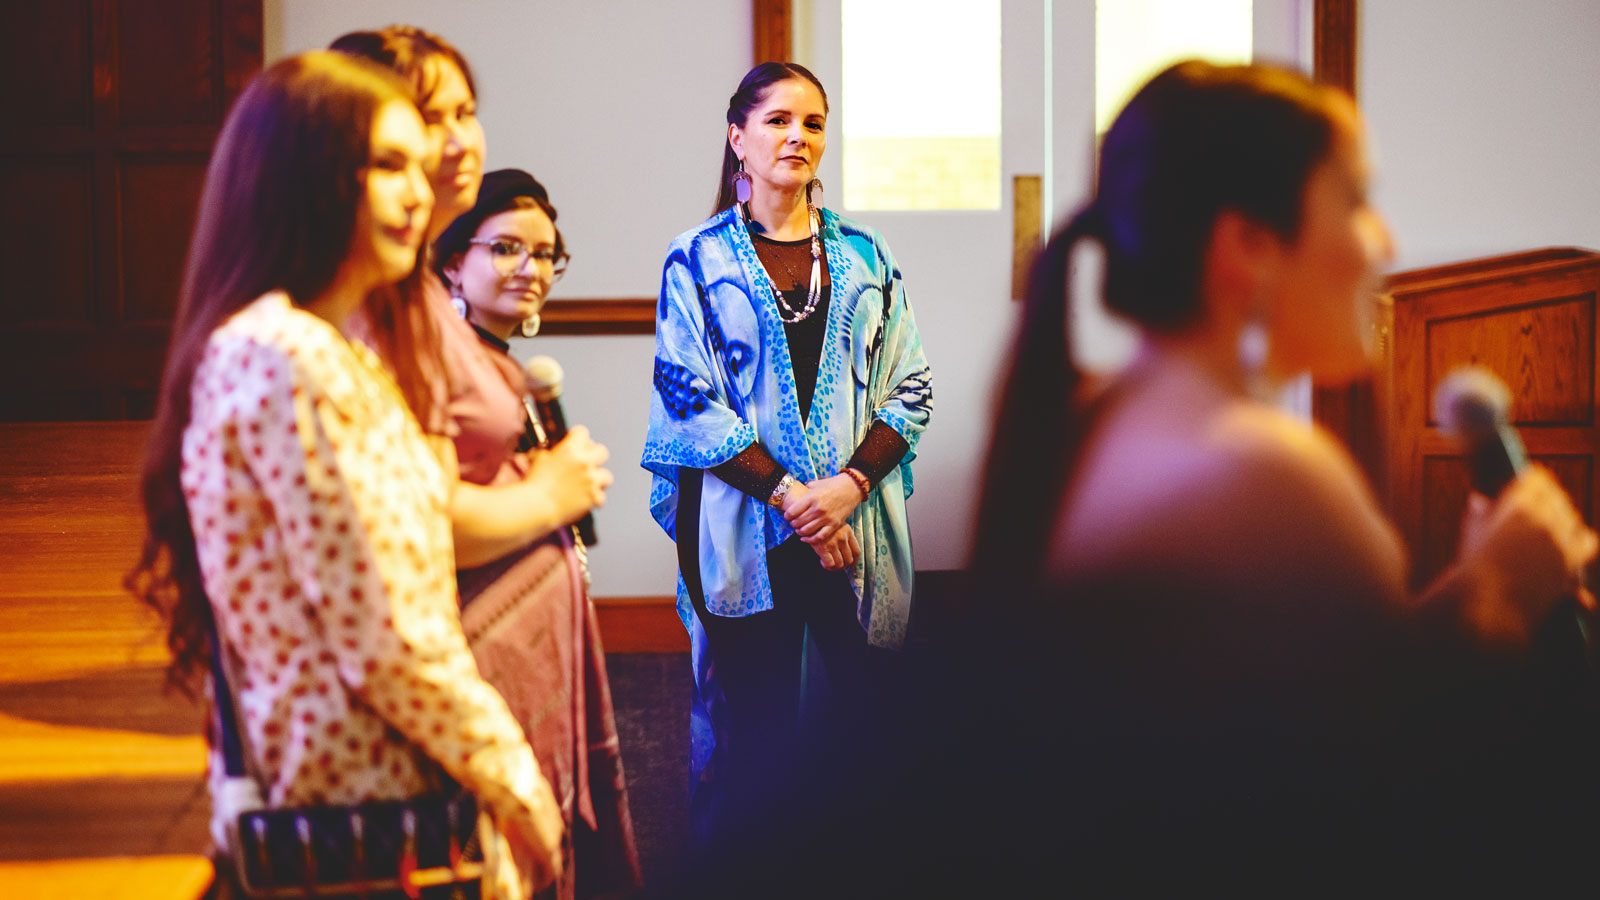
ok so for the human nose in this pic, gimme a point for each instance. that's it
(452, 143)
(530, 265)
(1381, 241)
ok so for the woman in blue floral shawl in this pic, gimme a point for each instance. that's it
(789, 366)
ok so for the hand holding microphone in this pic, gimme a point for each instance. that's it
(1522, 540)
(579, 481)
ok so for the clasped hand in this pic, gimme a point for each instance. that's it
(819, 511)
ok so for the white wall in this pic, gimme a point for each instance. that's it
(1485, 118)
(617, 106)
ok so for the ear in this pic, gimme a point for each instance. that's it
(1244, 260)
(736, 140)
(452, 270)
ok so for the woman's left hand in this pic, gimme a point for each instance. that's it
(825, 506)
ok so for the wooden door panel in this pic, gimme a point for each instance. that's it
(98, 199)
(57, 69)
(160, 195)
(1544, 351)
(49, 256)
(157, 86)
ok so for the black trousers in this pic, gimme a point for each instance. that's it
(768, 746)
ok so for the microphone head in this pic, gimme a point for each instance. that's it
(544, 377)
(1471, 402)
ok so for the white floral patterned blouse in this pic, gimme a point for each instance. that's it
(321, 522)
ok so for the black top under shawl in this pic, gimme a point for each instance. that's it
(753, 471)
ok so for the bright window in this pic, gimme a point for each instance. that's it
(921, 104)
(1135, 39)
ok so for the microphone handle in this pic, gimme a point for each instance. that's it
(1496, 460)
(555, 428)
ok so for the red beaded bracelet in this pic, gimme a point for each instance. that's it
(862, 484)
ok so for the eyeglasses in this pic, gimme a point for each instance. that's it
(510, 256)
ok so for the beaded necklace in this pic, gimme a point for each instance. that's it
(814, 291)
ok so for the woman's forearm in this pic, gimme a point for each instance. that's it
(490, 521)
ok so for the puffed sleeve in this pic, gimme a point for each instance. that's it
(374, 565)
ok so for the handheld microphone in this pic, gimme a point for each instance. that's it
(545, 381)
(1473, 406)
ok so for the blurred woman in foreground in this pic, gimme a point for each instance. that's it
(1221, 654)
(292, 499)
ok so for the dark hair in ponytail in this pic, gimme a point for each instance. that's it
(1196, 140)
(752, 91)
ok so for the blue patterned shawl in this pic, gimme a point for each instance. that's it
(723, 380)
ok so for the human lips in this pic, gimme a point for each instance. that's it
(410, 234)
(526, 293)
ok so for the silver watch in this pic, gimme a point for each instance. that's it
(785, 484)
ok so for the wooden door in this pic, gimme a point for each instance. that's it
(1528, 317)
(113, 108)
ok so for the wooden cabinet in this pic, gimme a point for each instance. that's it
(1530, 318)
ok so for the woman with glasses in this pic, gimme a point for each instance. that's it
(522, 577)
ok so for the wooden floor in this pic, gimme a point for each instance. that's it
(101, 791)
(101, 770)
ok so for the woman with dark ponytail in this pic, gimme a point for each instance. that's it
(790, 393)
(1222, 669)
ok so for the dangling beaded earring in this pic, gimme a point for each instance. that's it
(458, 304)
(814, 193)
(741, 184)
(530, 325)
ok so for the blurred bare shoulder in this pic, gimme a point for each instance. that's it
(1236, 493)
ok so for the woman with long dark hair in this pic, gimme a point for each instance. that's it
(1200, 613)
(790, 392)
(294, 505)
(535, 636)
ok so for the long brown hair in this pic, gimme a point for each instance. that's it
(404, 333)
(277, 212)
(752, 90)
(407, 51)
(1194, 141)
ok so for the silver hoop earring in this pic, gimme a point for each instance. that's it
(530, 325)
(458, 304)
